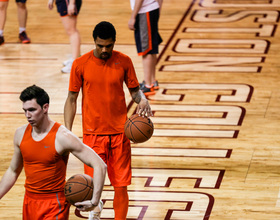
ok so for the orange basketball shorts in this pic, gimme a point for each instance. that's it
(47, 206)
(115, 150)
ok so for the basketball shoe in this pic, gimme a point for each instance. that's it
(142, 84)
(96, 215)
(67, 61)
(68, 66)
(23, 38)
(2, 40)
(155, 83)
(148, 90)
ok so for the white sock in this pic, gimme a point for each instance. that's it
(1, 33)
(22, 29)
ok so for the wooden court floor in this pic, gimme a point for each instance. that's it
(215, 152)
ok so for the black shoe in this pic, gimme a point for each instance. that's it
(2, 40)
(142, 85)
(156, 85)
(148, 91)
(23, 38)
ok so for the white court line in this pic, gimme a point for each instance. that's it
(171, 152)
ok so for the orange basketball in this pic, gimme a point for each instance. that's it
(138, 129)
(78, 188)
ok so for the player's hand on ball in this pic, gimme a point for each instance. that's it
(138, 129)
(85, 205)
(144, 108)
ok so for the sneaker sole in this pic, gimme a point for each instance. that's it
(149, 93)
(66, 62)
(65, 72)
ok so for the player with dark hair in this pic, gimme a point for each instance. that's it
(104, 30)
(101, 74)
(42, 147)
(35, 92)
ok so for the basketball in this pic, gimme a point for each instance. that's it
(138, 129)
(78, 188)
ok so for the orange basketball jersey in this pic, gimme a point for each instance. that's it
(103, 105)
(45, 169)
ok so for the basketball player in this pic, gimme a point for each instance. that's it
(69, 10)
(22, 19)
(42, 147)
(144, 21)
(101, 74)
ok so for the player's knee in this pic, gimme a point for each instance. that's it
(71, 31)
(3, 6)
(21, 5)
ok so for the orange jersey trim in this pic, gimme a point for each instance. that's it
(150, 36)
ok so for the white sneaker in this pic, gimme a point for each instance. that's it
(96, 215)
(67, 68)
(67, 61)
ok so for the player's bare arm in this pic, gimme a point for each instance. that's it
(160, 3)
(16, 165)
(67, 142)
(143, 107)
(137, 6)
(70, 109)
(50, 4)
(71, 7)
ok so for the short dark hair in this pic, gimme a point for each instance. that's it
(104, 30)
(35, 92)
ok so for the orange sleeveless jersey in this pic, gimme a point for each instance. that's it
(103, 104)
(45, 169)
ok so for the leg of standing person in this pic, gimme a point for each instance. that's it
(3, 14)
(22, 20)
(120, 203)
(118, 158)
(70, 23)
(91, 141)
(120, 173)
(69, 11)
(147, 41)
(149, 66)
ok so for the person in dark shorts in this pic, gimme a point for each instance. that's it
(22, 19)
(144, 21)
(68, 11)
